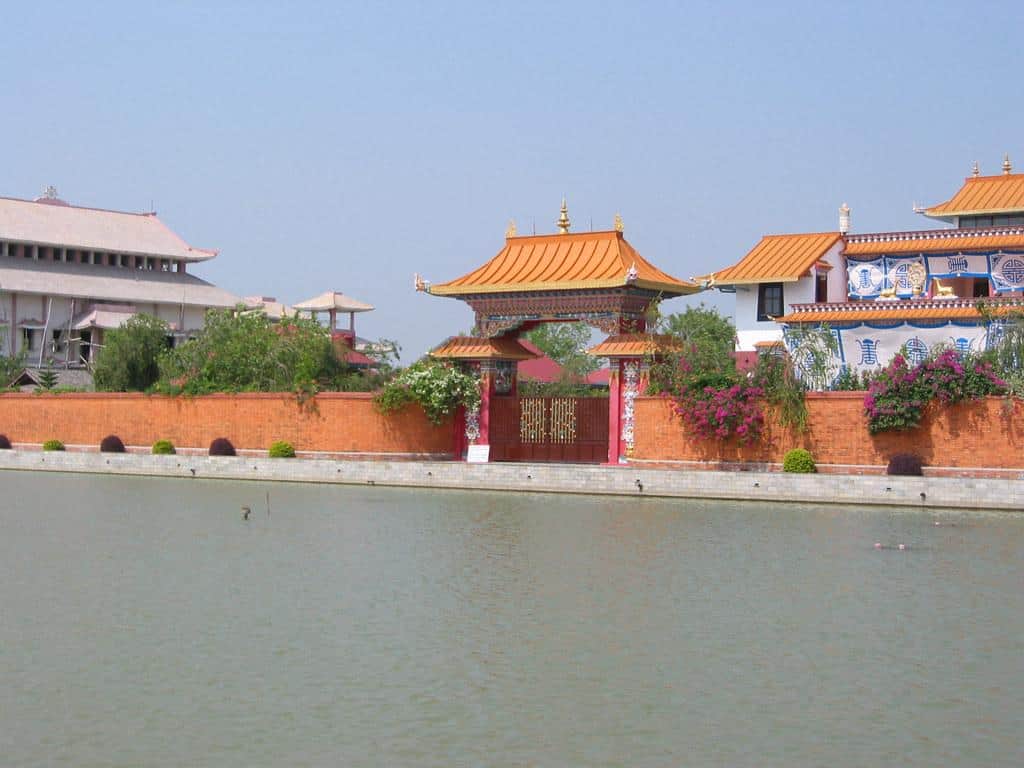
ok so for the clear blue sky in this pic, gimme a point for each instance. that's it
(345, 146)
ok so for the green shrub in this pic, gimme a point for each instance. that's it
(282, 450)
(798, 460)
(163, 448)
(53, 445)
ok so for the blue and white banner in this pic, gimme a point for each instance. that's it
(897, 273)
(958, 265)
(1007, 271)
(865, 278)
(869, 346)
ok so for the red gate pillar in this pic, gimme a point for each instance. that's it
(486, 393)
(614, 410)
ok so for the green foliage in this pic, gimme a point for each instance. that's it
(53, 445)
(1007, 354)
(849, 380)
(705, 358)
(813, 351)
(566, 344)
(163, 448)
(47, 379)
(561, 388)
(129, 360)
(782, 388)
(798, 460)
(10, 366)
(246, 352)
(438, 388)
(898, 396)
(281, 450)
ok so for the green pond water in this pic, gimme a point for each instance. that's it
(143, 622)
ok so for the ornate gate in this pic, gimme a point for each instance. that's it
(571, 429)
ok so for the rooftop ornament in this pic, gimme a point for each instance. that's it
(1007, 166)
(563, 219)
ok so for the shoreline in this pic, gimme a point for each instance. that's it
(995, 494)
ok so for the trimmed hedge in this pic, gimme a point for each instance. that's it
(163, 448)
(111, 444)
(53, 445)
(905, 464)
(221, 446)
(281, 450)
(5, 444)
(799, 460)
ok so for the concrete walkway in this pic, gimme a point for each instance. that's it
(919, 492)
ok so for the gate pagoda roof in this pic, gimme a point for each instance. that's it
(564, 262)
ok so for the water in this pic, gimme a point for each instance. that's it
(145, 623)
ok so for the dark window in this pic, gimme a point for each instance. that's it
(980, 288)
(821, 289)
(769, 301)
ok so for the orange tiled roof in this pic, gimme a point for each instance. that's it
(778, 258)
(983, 195)
(910, 309)
(473, 348)
(634, 345)
(564, 262)
(935, 240)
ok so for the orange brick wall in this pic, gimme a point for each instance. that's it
(331, 422)
(984, 434)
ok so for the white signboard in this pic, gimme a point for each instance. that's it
(478, 454)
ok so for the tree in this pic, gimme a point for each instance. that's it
(47, 378)
(704, 356)
(11, 366)
(129, 360)
(566, 344)
(246, 352)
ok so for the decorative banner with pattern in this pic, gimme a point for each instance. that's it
(958, 265)
(1008, 271)
(897, 273)
(865, 278)
(869, 346)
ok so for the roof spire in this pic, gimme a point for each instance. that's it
(563, 219)
(1007, 167)
(975, 171)
(511, 230)
(618, 223)
(844, 218)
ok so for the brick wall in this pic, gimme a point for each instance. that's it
(333, 422)
(984, 434)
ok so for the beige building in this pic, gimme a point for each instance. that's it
(68, 274)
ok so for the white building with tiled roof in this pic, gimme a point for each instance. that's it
(69, 273)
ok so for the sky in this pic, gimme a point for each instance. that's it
(346, 146)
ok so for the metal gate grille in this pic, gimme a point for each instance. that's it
(572, 429)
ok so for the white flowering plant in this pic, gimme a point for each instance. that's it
(439, 389)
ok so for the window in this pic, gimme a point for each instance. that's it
(980, 288)
(769, 301)
(821, 288)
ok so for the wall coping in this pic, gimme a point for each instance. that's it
(214, 396)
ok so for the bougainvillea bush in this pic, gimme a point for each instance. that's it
(722, 412)
(898, 396)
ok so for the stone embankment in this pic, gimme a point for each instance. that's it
(913, 492)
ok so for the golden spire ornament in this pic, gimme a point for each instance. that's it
(1006, 165)
(563, 219)
(618, 223)
(510, 231)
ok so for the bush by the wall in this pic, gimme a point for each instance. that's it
(111, 444)
(904, 464)
(222, 447)
(163, 448)
(281, 450)
(53, 445)
(5, 444)
(798, 460)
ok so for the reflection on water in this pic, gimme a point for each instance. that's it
(145, 623)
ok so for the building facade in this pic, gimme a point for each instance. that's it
(882, 292)
(68, 274)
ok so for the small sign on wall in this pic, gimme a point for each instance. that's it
(478, 454)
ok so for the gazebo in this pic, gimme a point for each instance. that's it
(333, 302)
(594, 277)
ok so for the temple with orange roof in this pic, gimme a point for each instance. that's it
(882, 292)
(595, 277)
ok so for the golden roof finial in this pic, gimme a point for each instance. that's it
(618, 223)
(1006, 165)
(975, 171)
(510, 231)
(563, 219)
